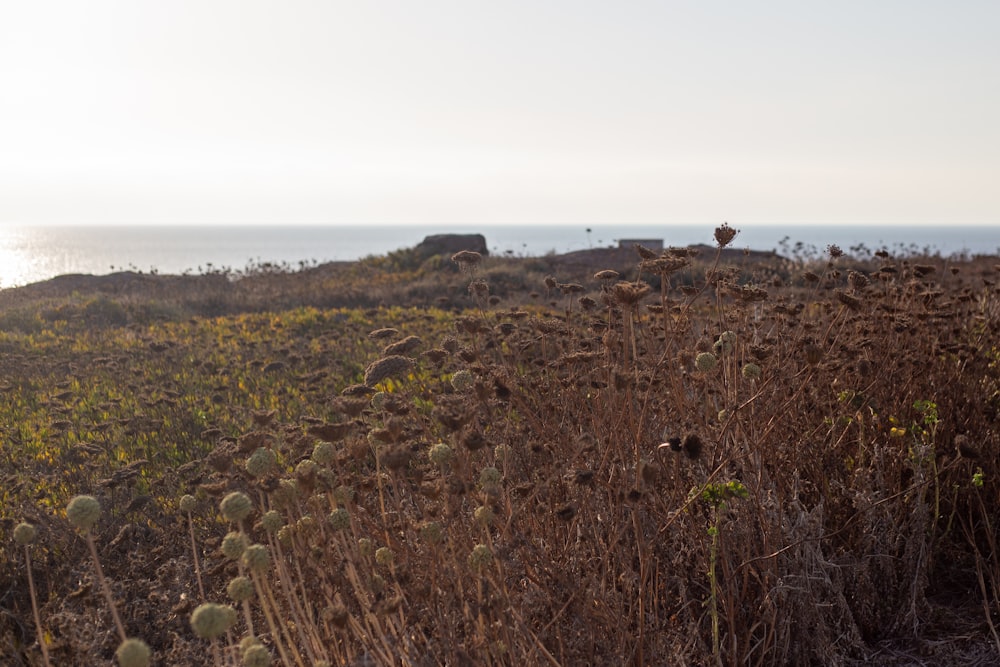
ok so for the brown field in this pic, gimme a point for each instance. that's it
(604, 458)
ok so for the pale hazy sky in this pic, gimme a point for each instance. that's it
(840, 111)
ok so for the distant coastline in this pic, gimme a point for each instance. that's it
(34, 254)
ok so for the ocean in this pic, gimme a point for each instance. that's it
(36, 253)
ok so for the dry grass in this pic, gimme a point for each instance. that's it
(791, 462)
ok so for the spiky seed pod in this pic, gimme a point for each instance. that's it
(83, 512)
(751, 371)
(261, 462)
(272, 521)
(725, 234)
(240, 589)
(480, 557)
(133, 653)
(236, 506)
(188, 503)
(705, 362)
(343, 494)
(211, 620)
(385, 368)
(306, 469)
(25, 533)
(256, 558)
(340, 519)
(234, 544)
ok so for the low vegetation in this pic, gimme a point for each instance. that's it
(670, 459)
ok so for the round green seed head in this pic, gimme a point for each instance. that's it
(365, 546)
(705, 362)
(384, 556)
(285, 536)
(240, 589)
(188, 503)
(272, 521)
(441, 454)
(256, 558)
(234, 544)
(83, 512)
(431, 532)
(462, 381)
(489, 475)
(25, 533)
(261, 462)
(324, 453)
(480, 557)
(751, 371)
(483, 515)
(343, 494)
(306, 469)
(340, 519)
(211, 620)
(256, 656)
(236, 506)
(133, 653)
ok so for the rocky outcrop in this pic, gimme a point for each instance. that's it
(449, 244)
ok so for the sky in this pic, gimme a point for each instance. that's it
(529, 112)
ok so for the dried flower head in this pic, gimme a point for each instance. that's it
(483, 515)
(467, 259)
(83, 512)
(211, 620)
(385, 368)
(857, 281)
(607, 274)
(236, 506)
(240, 589)
(404, 346)
(751, 371)
(724, 235)
(133, 653)
(834, 251)
(692, 446)
(629, 293)
(261, 462)
(25, 533)
(382, 334)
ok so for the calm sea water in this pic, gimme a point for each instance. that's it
(31, 254)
